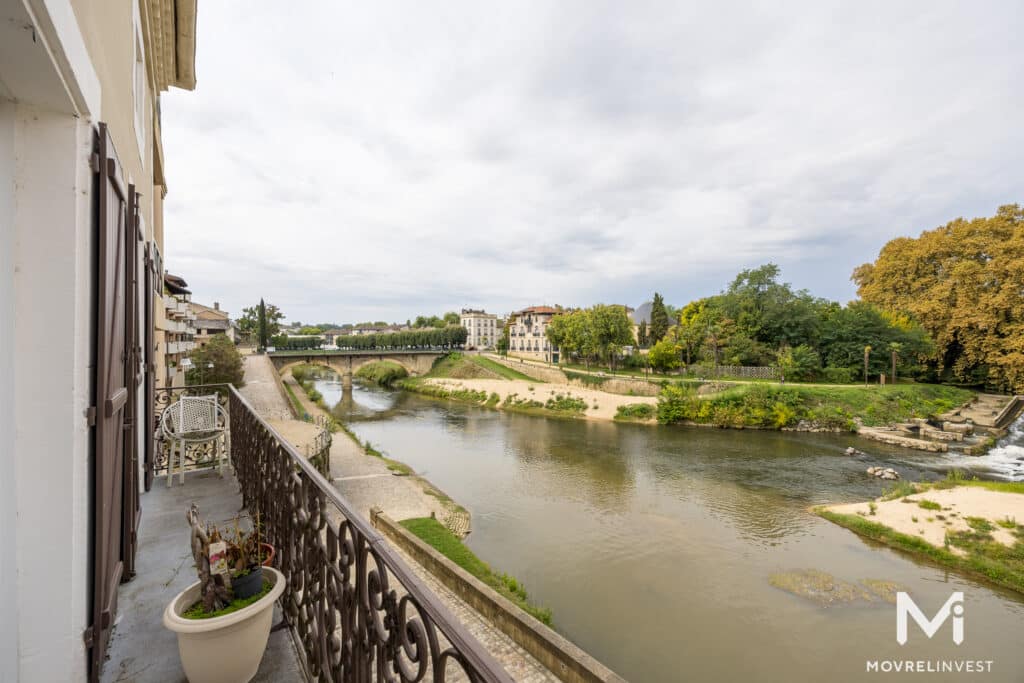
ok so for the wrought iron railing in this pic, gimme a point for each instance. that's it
(357, 610)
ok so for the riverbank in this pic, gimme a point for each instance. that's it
(528, 396)
(970, 526)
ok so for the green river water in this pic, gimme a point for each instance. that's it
(653, 546)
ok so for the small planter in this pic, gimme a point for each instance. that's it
(225, 649)
(249, 585)
(268, 551)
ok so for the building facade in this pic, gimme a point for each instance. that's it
(81, 241)
(527, 334)
(175, 340)
(210, 321)
(482, 328)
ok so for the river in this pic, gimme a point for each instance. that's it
(654, 546)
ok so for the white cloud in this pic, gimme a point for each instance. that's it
(386, 160)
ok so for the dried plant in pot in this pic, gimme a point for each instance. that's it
(221, 636)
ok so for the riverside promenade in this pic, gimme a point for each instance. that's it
(366, 481)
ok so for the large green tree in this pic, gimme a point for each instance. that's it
(659, 319)
(595, 334)
(249, 321)
(964, 282)
(218, 362)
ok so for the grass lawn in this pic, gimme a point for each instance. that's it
(436, 535)
(498, 368)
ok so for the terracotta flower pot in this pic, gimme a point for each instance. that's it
(269, 551)
(225, 649)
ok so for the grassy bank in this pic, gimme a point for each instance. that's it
(983, 558)
(435, 534)
(821, 407)
(458, 365)
(384, 373)
(560, 405)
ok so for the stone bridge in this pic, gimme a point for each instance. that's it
(345, 363)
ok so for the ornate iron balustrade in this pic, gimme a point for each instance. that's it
(358, 611)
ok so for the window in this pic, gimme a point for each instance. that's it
(139, 86)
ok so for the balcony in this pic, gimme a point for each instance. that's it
(352, 609)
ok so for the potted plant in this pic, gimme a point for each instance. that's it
(221, 636)
(247, 555)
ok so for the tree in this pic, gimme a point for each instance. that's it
(659, 319)
(664, 355)
(452, 318)
(503, 343)
(226, 362)
(641, 334)
(799, 363)
(248, 323)
(263, 328)
(963, 282)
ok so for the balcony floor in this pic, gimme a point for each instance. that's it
(141, 649)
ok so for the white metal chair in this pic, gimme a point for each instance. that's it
(194, 420)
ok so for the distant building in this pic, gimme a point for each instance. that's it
(211, 321)
(527, 334)
(175, 340)
(481, 326)
(331, 335)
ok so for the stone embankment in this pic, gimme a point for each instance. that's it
(609, 384)
(970, 429)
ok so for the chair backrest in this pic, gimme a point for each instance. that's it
(190, 414)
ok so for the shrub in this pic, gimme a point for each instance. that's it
(833, 375)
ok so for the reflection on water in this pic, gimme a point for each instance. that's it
(653, 547)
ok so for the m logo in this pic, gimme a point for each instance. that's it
(905, 605)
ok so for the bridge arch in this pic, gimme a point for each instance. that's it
(346, 364)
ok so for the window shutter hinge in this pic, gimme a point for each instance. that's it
(87, 636)
(90, 416)
(94, 162)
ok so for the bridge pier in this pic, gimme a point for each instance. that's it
(346, 382)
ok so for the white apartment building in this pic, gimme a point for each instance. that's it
(481, 326)
(527, 335)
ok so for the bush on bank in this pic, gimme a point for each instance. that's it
(778, 407)
(383, 373)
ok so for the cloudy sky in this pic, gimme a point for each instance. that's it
(355, 161)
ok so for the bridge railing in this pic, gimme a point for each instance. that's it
(367, 352)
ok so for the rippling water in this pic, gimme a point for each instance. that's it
(653, 546)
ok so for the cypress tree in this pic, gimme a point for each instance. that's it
(659, 319)
(262, 323)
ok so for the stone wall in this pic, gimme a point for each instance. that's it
(559, 655)
(624, 386)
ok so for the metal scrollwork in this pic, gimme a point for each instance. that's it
(357, 610)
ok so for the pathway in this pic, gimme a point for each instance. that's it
(366, 482)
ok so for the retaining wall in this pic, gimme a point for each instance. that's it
(624, 386)
(559, 655)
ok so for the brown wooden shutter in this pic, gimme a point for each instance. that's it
(113, 387)
(149, 366)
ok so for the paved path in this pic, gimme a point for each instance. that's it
(365, 481)
(261, 390)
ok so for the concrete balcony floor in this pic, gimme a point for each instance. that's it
(141, 649)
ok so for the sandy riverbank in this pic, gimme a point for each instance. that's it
(607, 404)
(906, 516)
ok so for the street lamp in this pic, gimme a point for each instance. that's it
(208, 366)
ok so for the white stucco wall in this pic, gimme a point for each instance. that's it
(8, 502)
(52, 389)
